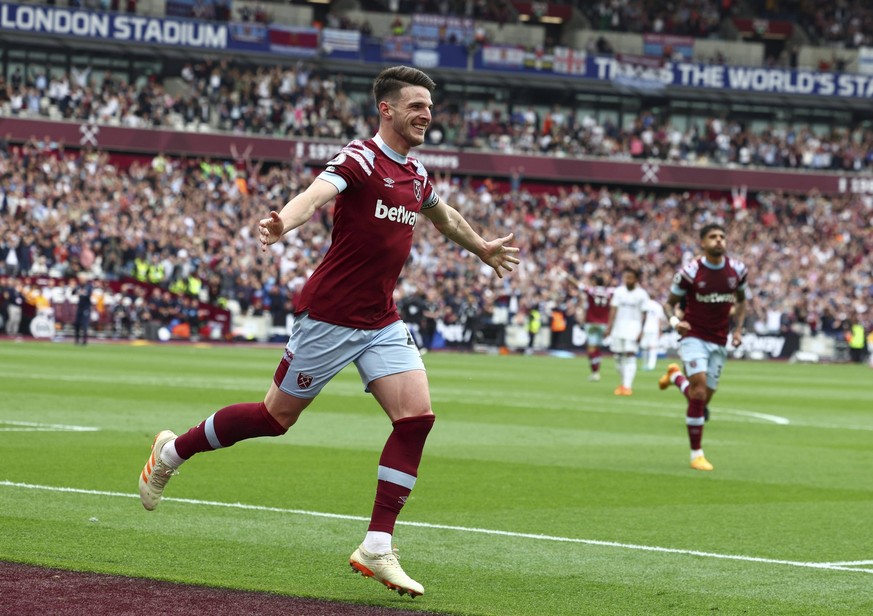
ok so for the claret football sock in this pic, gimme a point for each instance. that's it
(398, 470)
(694, 421)
(594, 361)
(230, 425)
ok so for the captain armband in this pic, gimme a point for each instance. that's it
(434, 199)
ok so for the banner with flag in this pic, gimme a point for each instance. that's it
(292, 40)
(442, 29)
(669, 47)
(570, 61)
(334, 39)
(247, 35)
(398, 48)
(495, 56)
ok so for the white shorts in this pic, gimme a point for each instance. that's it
(624, 345)
(701, 356)
(650, 340)
(317, 351)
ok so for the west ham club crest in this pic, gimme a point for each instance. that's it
(303, 380)
(416, 186)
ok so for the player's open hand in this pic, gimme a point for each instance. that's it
(270, 230)
(500, 256)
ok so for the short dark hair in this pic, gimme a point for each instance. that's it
(711, 227)
(633, 270)
(390, 81)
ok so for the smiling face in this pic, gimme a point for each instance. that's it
(405, 118)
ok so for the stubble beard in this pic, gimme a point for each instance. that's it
(414, 138)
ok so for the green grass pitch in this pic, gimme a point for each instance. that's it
(539, 492)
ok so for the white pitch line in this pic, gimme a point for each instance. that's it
(776, 419)
(851, 563)
(463, 529)
(30, 426)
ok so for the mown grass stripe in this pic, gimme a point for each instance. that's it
(850, 566)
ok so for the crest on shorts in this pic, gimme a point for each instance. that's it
(416, 186)
(304, 380)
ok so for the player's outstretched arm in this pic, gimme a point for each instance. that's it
(495, 253)
(575, 281)
(295, 213)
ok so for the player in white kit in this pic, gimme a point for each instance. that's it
(655, 319)
(625, 329)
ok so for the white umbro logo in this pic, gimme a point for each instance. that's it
(389, 183)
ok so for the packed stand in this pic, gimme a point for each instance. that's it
(714, 140)
(845, 24)
(186, 230)
(697, 18)
(500, 11)
(295, 101)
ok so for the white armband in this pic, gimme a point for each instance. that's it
(674, 321)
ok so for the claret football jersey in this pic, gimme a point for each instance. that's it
(709, 293)
(381, 195)
(597, 301)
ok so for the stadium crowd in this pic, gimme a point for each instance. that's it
(697, 18)
(297, 101)
(187, 226)
(845, 24)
